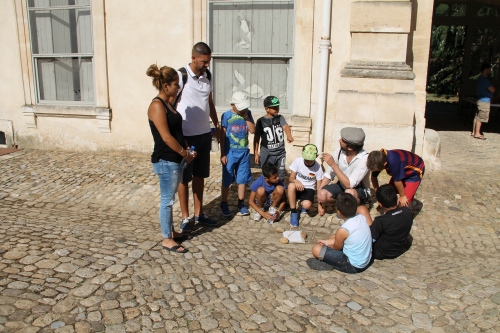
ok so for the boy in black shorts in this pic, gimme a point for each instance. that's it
(306, 175)
(269, 136)
(389, 231)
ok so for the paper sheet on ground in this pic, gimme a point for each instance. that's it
(293, 236)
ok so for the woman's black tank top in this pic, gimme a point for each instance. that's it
(161, 150)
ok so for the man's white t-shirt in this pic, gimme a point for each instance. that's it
(356, 171)
(308, 176)
(193, 103)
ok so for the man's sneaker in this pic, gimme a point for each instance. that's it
(294, 220)
(204, 219)
(256, 217)
(186, 226)
(304, 211)
(243, 209)
(224, 209)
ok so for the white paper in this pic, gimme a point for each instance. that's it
(293, 236)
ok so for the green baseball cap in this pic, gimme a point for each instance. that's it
(309, 152)
(270, 101)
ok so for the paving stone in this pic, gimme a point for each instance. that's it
(18, 285)
(85, 290)
(14, 255)
(354, 306)
(208, 324)
(83, 327)
(421, 320)
(57, 324)
(112, 317)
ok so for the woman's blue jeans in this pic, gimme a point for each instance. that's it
(170, 174)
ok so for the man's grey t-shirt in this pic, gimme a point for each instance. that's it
(270, 131)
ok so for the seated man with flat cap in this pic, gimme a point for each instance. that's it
(348, 163)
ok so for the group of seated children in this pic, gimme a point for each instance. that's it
(350, 249)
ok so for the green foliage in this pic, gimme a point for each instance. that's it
(446, 59)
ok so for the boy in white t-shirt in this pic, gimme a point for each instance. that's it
(306, 175)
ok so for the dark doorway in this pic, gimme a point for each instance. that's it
(3, 140)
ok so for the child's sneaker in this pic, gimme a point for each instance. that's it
(256, 217)
(224, 209)
(304, 211)
(294, 220)
(186, 226)
(204, 219)
(243, 209)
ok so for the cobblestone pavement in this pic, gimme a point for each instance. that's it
(80, 252)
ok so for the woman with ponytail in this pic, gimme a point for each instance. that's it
(169, 149)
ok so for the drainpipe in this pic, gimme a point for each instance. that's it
(324, 47)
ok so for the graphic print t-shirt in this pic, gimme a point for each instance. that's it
(308, 176)
(270, 131)
(236, 130)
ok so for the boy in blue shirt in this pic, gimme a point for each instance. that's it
(267, 190)
(235, 155)
(484, 92)
(349, 250)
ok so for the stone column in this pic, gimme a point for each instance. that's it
(376, 90)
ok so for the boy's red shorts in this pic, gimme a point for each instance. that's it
(410, 188)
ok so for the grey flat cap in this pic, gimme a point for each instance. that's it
(353, 135)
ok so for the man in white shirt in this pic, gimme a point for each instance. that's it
(196, 106)
(348, 163)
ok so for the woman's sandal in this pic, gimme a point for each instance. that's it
(175, 249)
(480, 137)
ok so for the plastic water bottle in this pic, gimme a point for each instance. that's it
(215, 142)
(185, 163)
(272, 211)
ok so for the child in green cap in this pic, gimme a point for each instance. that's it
(306, 175)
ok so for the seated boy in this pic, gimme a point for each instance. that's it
(390, 231)
(349, 250)
(306, 174)
(267, 190)
(406, 170)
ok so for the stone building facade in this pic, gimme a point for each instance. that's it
(72, 72)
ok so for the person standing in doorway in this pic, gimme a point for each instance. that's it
(484, 91)
(194, 102)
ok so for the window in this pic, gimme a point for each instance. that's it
(252, 44)
(61, 41)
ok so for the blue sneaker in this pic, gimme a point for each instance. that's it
(204, 219)
(243, 209)
(304, 211)
(224, 209)
(294, 220)
(186, 227)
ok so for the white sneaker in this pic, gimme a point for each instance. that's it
(256, 217)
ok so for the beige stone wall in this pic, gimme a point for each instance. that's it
(418, 59)
(11, 84)
(129, 38)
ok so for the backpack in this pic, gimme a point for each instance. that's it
(184, 80)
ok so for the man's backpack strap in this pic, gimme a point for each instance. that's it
(184, 75)
(184, 80)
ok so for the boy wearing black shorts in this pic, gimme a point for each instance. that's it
(306, 175)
